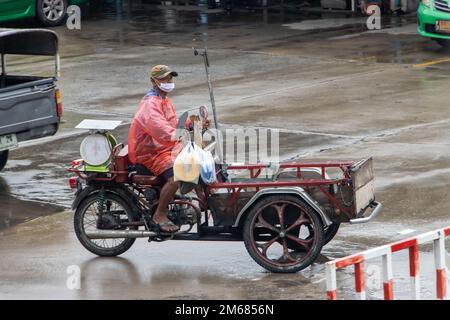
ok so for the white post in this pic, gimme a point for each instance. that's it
(415, 286)
(439, 259)
(387, 276)
(414, 272)
(331, 281)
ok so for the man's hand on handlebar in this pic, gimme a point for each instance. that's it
(195, 118)
(206, 123)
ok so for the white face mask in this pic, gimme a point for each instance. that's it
(167, 87)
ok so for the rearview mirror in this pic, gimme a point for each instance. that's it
(203, 111)
(181, 127)
(182, 121)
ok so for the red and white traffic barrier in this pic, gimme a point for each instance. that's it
(386, 251)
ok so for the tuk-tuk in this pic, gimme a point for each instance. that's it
(30, 106)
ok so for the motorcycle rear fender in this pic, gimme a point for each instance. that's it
(88, 190)
(82, 194)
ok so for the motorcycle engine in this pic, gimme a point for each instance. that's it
(151, 195)
(108, 221)
(182, 214)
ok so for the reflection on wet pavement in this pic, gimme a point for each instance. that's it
(174, 270)
(169, 270)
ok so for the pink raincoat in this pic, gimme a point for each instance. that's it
(150, 141)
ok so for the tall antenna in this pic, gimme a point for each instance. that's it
(204, 54)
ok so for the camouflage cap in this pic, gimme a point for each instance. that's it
(160, 71)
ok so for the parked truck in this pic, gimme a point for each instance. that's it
(30, 106)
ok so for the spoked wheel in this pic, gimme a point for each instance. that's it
(329, 233)
(283, 234)
(86, 219)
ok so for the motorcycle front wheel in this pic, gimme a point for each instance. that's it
(85, 219)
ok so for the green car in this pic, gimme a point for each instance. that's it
(433, 18)
(49, 12)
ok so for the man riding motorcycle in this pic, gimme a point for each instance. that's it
(152, 142)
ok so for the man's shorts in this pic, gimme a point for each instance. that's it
(166, 175)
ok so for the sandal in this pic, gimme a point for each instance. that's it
(167, 224)
(159, 227)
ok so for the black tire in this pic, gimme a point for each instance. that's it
(90, 244)
(330, 232)
(52, 13)
(261, 221)
(3, 158)
(443, 42)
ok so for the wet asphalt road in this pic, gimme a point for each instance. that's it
(335, 90)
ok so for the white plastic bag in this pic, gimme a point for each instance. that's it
(187, 165)
(207, 165)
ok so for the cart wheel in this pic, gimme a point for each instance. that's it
(86, 217)
(329, 234)
(274, 223)
(3, 159)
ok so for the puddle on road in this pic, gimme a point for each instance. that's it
(35, 184)
(325, 23)
(14, 211)
(40, 184)
(411, 179)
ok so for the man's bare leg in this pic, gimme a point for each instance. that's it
(167, 194)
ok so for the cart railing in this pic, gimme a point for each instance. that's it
(386, 251)
(256, 169)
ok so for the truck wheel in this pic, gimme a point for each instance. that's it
(3, 158)
(269, 228)
(52, 13)
(86, 217)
